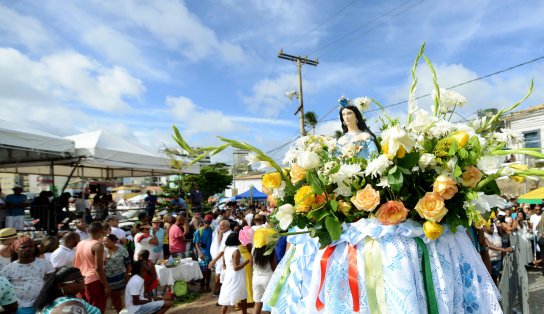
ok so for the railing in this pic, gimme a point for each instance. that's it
(514, 283)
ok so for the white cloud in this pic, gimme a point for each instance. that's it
(24, 30)
(174, 25)
(268, 98)
(196, 119)
(66, 77)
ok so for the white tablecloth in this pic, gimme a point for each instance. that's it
(185, 270)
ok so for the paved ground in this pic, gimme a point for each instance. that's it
(536, 292)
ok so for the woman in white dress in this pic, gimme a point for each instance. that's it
(233, 289)
(263, 268)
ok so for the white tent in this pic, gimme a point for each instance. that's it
(102, 155)
(21, 145)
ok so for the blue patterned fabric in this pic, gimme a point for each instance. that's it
(461, 281)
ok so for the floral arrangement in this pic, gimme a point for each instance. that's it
(429, 169)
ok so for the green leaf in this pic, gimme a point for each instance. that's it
(458, 171)
(396, 181)
(314, 181)
(318, 214)
(334, 205)
(453, 148)
(302, 222)
(404, 170)
(393, 169)
(333, 227)
(462, 152)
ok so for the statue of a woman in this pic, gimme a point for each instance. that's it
(357, 139)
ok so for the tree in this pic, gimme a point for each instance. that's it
(338, 134)
(310, 120)
(214, 179)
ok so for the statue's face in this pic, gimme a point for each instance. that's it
(349, 117)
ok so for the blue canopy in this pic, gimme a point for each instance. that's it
(252, 193)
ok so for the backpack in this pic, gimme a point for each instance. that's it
(180, 288)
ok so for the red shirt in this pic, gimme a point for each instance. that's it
(176, 240)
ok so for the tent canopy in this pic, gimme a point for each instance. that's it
(101, 155)
(533, 197)
(252, 193)
(19, 144)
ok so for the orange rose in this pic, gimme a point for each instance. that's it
(445, 187)
(319, 200)
(392, 213)
(431, 207)
(366, 199)
(471, 177)
(297, 173)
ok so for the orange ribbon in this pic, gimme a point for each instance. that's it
(324, 262)
(352, 276)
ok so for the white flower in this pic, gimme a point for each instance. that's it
(361, 137)
(490, 164)
(265, 165)
(396, 137)
(350, 171)
(449, 167)
(349, 150)
(426, 160)
(362, 103)
(507, 171)
(343, 189)
(308, 160)
(290, 156)
(422, 120)
(377, 166)
(441, 128)
(450, 99)
(384, 182)
(484, 203)
(509, 137)
(285, 215)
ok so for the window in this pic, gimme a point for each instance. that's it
(532, 139)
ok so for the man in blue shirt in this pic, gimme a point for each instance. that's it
(15, 205)
(179, 203)
(196, 199)
(151, 204)
(203, 241)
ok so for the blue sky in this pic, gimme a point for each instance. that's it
(135, 68)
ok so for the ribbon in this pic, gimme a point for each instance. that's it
(353, 276)
(323, 263)
(283, 278)
(432, 306)
(374, 276)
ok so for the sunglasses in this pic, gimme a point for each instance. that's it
(79, 280)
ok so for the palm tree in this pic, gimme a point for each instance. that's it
(310, 120)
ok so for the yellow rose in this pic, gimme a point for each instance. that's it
(392, 213)
(344, 207)
(264, 236)
(471, 177)
(297, 173)
(461, 137)
(431, 207)
(272, 201)
(445, 187)
(272, 180)
(304, 198)
(366, 199)
(432, 230)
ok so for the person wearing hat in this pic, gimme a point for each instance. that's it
(156, 253)
(144, 240)
(15, 205)
(202, 239)
(7, 236)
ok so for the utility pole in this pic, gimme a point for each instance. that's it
(300, 61)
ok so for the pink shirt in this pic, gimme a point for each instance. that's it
(84, 260)
(176, 240)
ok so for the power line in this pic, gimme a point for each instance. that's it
(355, 30)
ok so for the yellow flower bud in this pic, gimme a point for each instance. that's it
(461, 137)
(344, 207)
(432, 230)
(264, 236)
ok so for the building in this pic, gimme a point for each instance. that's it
(242, 183)
(530, 124)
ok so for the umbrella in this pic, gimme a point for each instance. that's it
(533, 197)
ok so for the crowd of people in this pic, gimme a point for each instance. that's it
(81, 265)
